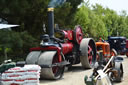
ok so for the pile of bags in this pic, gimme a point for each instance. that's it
(27, 75)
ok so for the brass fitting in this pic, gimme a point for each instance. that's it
(50, 9)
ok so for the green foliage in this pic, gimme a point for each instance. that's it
(91, 22)
(101, 22)
(15, 45)
(60, 16)
(8, 50)
(115, 24)
(28, 42)
(81, 17)
(32, 14)
(9, 39)
(0, 49)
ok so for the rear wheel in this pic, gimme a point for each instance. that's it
(88, 52)
(119, 68)
(113, 52)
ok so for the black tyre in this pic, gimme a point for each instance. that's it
(119, 68)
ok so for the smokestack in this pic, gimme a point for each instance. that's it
(51, 22)
(51, 5)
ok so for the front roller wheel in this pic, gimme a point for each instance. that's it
(50, 58)
(88, 52)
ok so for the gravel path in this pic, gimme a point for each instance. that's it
(75, 76)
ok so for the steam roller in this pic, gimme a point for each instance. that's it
(60, 48)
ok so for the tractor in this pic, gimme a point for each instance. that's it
(60, 48)
(120, 44)
(104, 55)
(105, 46)
(108, 68)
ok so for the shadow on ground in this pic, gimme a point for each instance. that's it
(73, 69)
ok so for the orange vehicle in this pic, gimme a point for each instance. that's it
(105, 48)
(109, 63)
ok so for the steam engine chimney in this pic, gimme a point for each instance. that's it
(50, 22)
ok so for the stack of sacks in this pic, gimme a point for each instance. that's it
(27, 75)
(32, 75)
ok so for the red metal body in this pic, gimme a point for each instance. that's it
(58, 49)
(68, 34)
(65, 47)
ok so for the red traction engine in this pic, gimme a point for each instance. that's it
(60, 48)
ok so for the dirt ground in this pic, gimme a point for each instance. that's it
(75, 76)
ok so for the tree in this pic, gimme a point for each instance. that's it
(15, 45)
(82, 17)
(32, 14)
(91, 22)
(9, 42)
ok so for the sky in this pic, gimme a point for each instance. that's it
(116, 5)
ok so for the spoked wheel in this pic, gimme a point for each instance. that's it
(55, 68)
(88, 52)
(78, 34)
(57, 71)
(50, 58)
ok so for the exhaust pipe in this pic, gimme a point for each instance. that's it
(50, 22)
